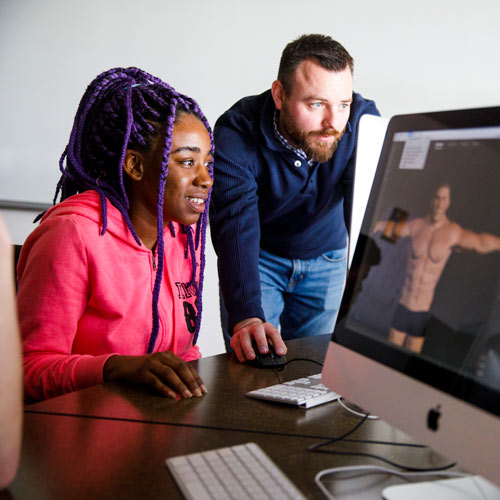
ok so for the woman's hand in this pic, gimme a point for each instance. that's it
(163, 371)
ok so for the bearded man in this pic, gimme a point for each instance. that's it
(280, 210)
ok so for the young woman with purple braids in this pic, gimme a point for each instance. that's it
(110, 282)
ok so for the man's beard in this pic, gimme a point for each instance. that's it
(315, 150)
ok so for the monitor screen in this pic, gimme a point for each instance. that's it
(417, 340)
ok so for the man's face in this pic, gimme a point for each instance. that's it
(440, 203)
(313, 116)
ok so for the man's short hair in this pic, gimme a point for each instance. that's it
(330, 54)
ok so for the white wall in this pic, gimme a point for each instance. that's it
(409, 57)
(19, 222)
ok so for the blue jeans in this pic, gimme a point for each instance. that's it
(299, 297)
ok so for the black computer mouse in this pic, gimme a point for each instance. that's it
(269, 360)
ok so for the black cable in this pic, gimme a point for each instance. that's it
(391, 443)
(315, 448)
(387, 461)
(280, 368)
(299, 359)
(177, 424)
(328, 439)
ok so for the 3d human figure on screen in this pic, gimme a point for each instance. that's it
(433, 238)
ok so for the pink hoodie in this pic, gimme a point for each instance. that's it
(84, 296)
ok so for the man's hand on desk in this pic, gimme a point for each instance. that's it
(245, 330)
(163, 371)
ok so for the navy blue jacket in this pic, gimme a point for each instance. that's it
(265, 196)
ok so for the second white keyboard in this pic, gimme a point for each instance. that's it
(237, 472)
(305, 392)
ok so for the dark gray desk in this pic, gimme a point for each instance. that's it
(225, 405)
(66, 457)
(110, 441)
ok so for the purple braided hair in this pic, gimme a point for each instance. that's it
(126, 108)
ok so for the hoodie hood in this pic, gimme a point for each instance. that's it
(88, 205)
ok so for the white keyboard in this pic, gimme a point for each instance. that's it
(305, 392)
(237, 472)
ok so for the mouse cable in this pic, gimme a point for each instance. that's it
(376, 469)
(299, 359)
(280, 368)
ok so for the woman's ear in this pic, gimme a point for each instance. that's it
(133, 164)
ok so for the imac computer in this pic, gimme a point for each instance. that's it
(417, 340)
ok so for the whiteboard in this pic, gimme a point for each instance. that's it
(424, 56)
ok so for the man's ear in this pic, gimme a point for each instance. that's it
(278, 93)
(133, 164)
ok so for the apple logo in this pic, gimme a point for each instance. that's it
(433, 418)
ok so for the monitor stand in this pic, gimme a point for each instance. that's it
(463, 488)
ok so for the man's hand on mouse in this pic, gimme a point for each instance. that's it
(245, 330)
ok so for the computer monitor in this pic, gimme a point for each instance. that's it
(417, 340)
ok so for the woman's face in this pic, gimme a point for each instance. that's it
(188, 180)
